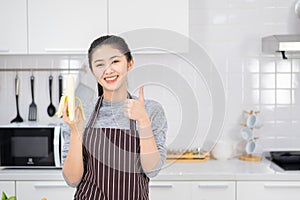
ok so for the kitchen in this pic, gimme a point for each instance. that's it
(228, 35)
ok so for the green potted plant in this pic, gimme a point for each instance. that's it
(4, 197)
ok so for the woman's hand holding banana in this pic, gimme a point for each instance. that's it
(72, 114)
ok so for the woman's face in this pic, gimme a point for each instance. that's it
(110, 67)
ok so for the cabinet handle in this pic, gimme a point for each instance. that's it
(65, 50)
(161, 186)
(281, 186)
(213, 186)
(4, 50)
(41, 186)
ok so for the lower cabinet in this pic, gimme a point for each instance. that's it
(200, 190)
(8, 187)
(213, 190)
(261, 190)
(161, 190)
(51, 190)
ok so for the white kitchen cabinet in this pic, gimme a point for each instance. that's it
(213, 190)
(127, 16)
(8, 187)
(261, 190)
(160, 190)
(51, 190)
(65, 27)
(13, 23)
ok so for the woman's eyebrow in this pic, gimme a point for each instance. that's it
(101, 60)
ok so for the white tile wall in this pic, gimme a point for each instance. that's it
(230, 31)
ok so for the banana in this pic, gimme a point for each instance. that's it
(70, 98)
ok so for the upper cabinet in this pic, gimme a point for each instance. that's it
(169, 18)
(13, 25)
(68, 27)
(65, 27)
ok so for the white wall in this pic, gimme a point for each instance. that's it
(230, 31)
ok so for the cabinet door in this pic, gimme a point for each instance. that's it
(51, 190)
(213, 190)
(8, 187)
(160, 190)
(13, 23)
(268, 190)
(67, 26)
(127, 16)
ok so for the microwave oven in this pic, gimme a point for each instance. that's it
(30, 146)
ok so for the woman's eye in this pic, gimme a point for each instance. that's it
(99, 65)
(115, 61)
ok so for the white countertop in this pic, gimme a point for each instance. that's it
(203, 171)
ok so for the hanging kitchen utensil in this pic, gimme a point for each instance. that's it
(60, 86)
(32, 115)
(17, 89)
(51, 109)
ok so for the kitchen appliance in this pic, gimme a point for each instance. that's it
(27, 146)
(286, 160)
(281, 43)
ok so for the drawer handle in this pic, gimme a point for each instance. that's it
(4, 50)
(213, 186)
(161, 186)
(65, 50)
(281, 186)
(41, 186)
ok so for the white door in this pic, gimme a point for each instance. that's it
(51, 190)
(274, 190)
(67, 26)
(161, 190)
(213, 190)
(8, 187)
(13, 23)
(127, 16)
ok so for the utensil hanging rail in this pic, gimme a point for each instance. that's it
(42, 69)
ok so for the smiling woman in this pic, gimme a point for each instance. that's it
(113, 154)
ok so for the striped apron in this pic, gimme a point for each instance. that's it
(112, 167)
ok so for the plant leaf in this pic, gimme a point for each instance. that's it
(4, 197)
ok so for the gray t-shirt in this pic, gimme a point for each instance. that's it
(111, 115)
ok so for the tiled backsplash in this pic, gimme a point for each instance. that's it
(230, 32)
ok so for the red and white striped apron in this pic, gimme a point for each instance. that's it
(112, 167)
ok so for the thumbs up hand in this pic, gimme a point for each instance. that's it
(135, 109)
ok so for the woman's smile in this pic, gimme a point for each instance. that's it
(111, 79)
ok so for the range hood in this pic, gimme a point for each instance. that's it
(281, 43)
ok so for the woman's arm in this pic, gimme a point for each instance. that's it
(150, 156)
(73, 164)
(149, 151)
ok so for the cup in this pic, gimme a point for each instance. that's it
(247, 133)
(253, 121)
(250, 146)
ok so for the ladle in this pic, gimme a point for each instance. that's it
(51, 108)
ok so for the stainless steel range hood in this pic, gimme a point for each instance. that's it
(281, 43)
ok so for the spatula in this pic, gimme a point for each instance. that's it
(32, 115)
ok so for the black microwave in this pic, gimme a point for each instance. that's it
(30, 146)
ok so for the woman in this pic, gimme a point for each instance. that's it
(122, 144)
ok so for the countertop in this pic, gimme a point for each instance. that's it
(229, 170)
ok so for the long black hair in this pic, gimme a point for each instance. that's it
(114, 41)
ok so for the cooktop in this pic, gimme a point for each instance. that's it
(287, 160)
